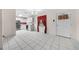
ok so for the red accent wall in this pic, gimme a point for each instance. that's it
(44, 21)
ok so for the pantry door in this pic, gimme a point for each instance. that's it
(63, 25)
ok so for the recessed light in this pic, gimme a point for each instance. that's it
(20, 15)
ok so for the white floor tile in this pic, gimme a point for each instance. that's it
(26, 40)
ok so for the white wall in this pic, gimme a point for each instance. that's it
(8, 22)
(77, 24)
(51, 14)
(1, 29)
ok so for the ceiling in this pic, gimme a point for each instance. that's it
(23, 13)
(26, 12)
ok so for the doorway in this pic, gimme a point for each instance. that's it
(42, 24)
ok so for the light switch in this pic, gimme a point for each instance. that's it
(53, 20)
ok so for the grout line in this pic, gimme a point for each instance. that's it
(25, 43)
(34, 41)
(7, 42)
(18, 44)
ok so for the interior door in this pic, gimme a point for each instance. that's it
(63, 25)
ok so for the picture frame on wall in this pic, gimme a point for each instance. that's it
(63, 17)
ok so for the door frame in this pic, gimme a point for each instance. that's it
(44, 20)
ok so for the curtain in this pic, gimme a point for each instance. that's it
(44, 21)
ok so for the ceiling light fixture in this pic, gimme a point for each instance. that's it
(20, 15)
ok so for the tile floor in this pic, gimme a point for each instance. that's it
(26, 40)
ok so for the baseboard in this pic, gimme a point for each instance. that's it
(64, 36)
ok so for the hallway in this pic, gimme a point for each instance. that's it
(39, 29)
(47, 29)
(26, 40)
